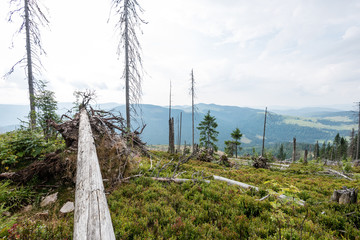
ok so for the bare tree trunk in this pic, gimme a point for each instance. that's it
(127, 71)
(171, 136)
(305, 156)
(263, 141)
(171, 128)
(192, 108)
(294, 150)
(92, 218)
(358, 138)
(179, 133)
(29, 67)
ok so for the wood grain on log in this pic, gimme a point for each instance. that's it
(92, 217)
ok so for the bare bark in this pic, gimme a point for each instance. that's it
(192, 107)
(92, 217)
(33, 17)
(127, 25)
(263, 140)
(29, 67)
(294, 150)
(358, 138)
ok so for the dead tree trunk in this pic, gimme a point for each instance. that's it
(358, 138)
(92, 217)
(305, 156)
(294, 150)
(192, 109)
(29, 67)
(263, 140)
(171, 136)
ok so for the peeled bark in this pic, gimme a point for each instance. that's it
(92, 217)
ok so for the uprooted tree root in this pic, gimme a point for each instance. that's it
(116, 148)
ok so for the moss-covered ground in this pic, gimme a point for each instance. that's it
(143, 208)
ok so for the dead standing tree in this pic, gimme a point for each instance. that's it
(33, 17)
(171, 149)
(192, 92)
(127, 25)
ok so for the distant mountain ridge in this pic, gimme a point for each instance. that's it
(322, 126)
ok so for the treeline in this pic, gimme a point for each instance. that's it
(339, 149)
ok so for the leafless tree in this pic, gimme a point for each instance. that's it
(263, 140)
(192, 92)
(127, 26)
(33, 17)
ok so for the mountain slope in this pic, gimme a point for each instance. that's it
(280, 128)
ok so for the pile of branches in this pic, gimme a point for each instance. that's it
(261, 162)
(116, 149)
(205, 155)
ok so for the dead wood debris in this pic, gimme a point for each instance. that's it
(261, 162)
(116, 147)
(345, 195)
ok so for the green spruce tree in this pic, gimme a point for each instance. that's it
(232, 146)
(281, 155)
(208, 133)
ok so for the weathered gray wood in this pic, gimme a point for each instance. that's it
(175, 180)
(247, 186)
(92, 217)
(232, 182)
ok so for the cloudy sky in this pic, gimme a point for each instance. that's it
(297, 53)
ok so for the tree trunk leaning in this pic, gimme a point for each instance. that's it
(92, 217)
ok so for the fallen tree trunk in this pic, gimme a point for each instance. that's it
(92, 217)
(333, 172)
(232, 182)
(247, 186)
(176, 180)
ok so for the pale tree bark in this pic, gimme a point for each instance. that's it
(358, 137)
(263, 140)
(33, 17)
(128, 25)
(294, 150)
(192, 91)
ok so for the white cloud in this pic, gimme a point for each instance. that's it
(248, 53)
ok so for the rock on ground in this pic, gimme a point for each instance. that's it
(49, 200)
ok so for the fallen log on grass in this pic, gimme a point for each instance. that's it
(176, 180)
(232, 182)
(92, 217)
(247, 186)
(333, 172)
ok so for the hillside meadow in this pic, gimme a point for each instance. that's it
(143, 208)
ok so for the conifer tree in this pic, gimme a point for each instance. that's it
(282, 154)
(208, 133)
(234, 145)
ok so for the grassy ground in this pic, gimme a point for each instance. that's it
(147, 209)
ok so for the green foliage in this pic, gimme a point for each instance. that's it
(13, 198)
(281, 155)
(208, 133)
(46, 109)
(22, 145)
(232, 146)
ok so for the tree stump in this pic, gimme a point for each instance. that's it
(345, 195)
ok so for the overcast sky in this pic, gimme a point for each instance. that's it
(297, 53)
